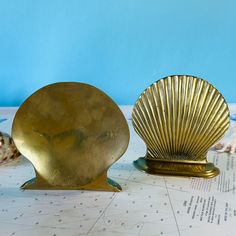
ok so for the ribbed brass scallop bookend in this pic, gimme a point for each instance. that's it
(72, 133)
(179, 118)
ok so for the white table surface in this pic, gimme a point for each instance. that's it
(148, 205)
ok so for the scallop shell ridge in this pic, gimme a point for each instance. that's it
(180, 117)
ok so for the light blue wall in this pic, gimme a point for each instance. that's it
(120, 46)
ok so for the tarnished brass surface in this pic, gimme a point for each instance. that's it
(72, 133)
(184, 168)
(180, 118)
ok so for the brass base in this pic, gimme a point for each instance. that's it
(178, 168)
(101, 184)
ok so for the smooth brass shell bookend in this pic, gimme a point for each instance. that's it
(180, 118)
(72, 133)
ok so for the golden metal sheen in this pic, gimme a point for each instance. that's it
(72, 133)
(179, 118)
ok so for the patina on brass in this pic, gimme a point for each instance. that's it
(72, 133)
(180, 118)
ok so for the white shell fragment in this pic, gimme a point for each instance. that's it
(8, 151)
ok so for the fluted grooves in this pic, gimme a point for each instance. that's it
(180, 117)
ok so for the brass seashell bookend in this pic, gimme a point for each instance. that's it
(180, 118)
(72, 133)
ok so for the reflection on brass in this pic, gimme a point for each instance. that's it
(180, 118)
(72, 133)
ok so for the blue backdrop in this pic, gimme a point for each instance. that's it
(120, 46)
